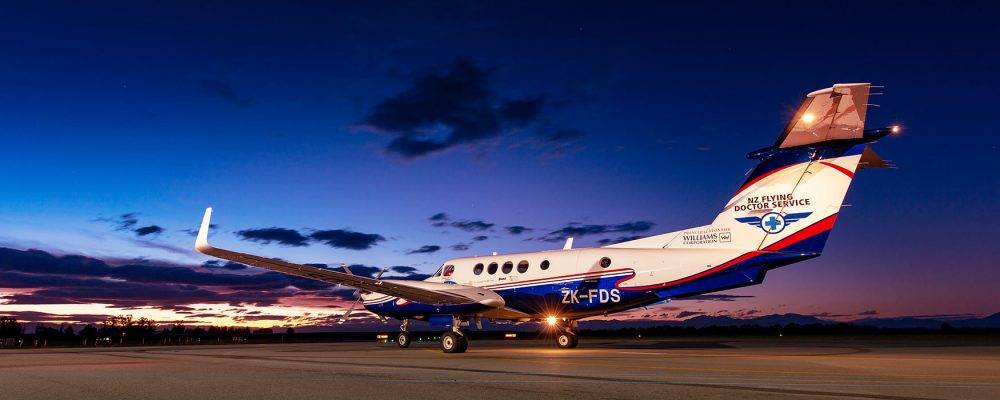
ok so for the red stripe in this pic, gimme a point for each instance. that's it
(823, 225)
(762, 176)
(839, 168)
(819, 227)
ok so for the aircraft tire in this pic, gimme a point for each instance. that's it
(452, 342)
(403, 340)
(566, 340)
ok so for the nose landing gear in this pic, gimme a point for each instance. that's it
(403, 339)
(567, 338)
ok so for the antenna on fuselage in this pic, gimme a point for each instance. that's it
(569, 243)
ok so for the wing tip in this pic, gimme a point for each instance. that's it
(201, 243)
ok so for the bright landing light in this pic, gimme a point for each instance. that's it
(808, 118)
(551, 320)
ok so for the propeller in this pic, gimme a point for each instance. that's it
(357, 293)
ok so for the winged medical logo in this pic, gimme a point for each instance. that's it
(773, 222)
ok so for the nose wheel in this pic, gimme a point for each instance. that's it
(403, 338)
(567, 340)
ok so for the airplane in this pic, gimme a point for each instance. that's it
(781, 214)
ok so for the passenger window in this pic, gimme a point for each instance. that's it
(478, 269)
(492, 268)
(544, 264)
(522, 266)
(605, 262)
(507, 267)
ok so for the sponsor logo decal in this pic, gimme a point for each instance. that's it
(707, 236)
(773, 222)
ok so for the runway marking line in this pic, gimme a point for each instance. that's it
(87, 364)
(760, 389)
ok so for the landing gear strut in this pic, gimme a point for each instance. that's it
(567, 338)
(454, 341)
(403, 339)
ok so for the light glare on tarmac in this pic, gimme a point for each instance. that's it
(744, 369)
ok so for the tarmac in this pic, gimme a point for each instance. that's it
(599, 368)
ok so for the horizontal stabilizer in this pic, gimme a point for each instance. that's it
(870, 159)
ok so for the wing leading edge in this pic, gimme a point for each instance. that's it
(417, 291)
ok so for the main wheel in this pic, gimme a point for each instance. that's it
(566, 340)
(452, 342)
(403, 340)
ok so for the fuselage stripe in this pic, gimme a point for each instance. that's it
(819, 227)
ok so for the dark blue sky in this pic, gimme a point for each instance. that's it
(314, 118)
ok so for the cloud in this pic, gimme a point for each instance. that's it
(516, 229)
(126, 221)
(225, 92)
(441, 220)
(524, 111)
(620, 239)
(460, 246)
(716, 297)
(480, 238)
(575, 229)
(685, 314)
(284, 236)
(194, 232)
(77, 279)
(563, 136)
(444, 109)
(472, 225)
(129, 221)
(403, 269)
(868, 312)
(148, 230)
(232, 266)
(430, 248)
(346, 239)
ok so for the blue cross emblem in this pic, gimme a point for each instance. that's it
(772, 222)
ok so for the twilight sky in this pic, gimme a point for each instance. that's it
(383, 134)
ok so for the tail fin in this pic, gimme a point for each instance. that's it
(790, 200)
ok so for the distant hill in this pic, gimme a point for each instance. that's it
(703, 321)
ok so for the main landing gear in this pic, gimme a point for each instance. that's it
(567, 338)
(454, 341)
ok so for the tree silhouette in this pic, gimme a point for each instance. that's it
(10, 328)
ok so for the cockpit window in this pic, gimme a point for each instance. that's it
(448, 270)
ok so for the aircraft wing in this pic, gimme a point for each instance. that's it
(417, 291)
